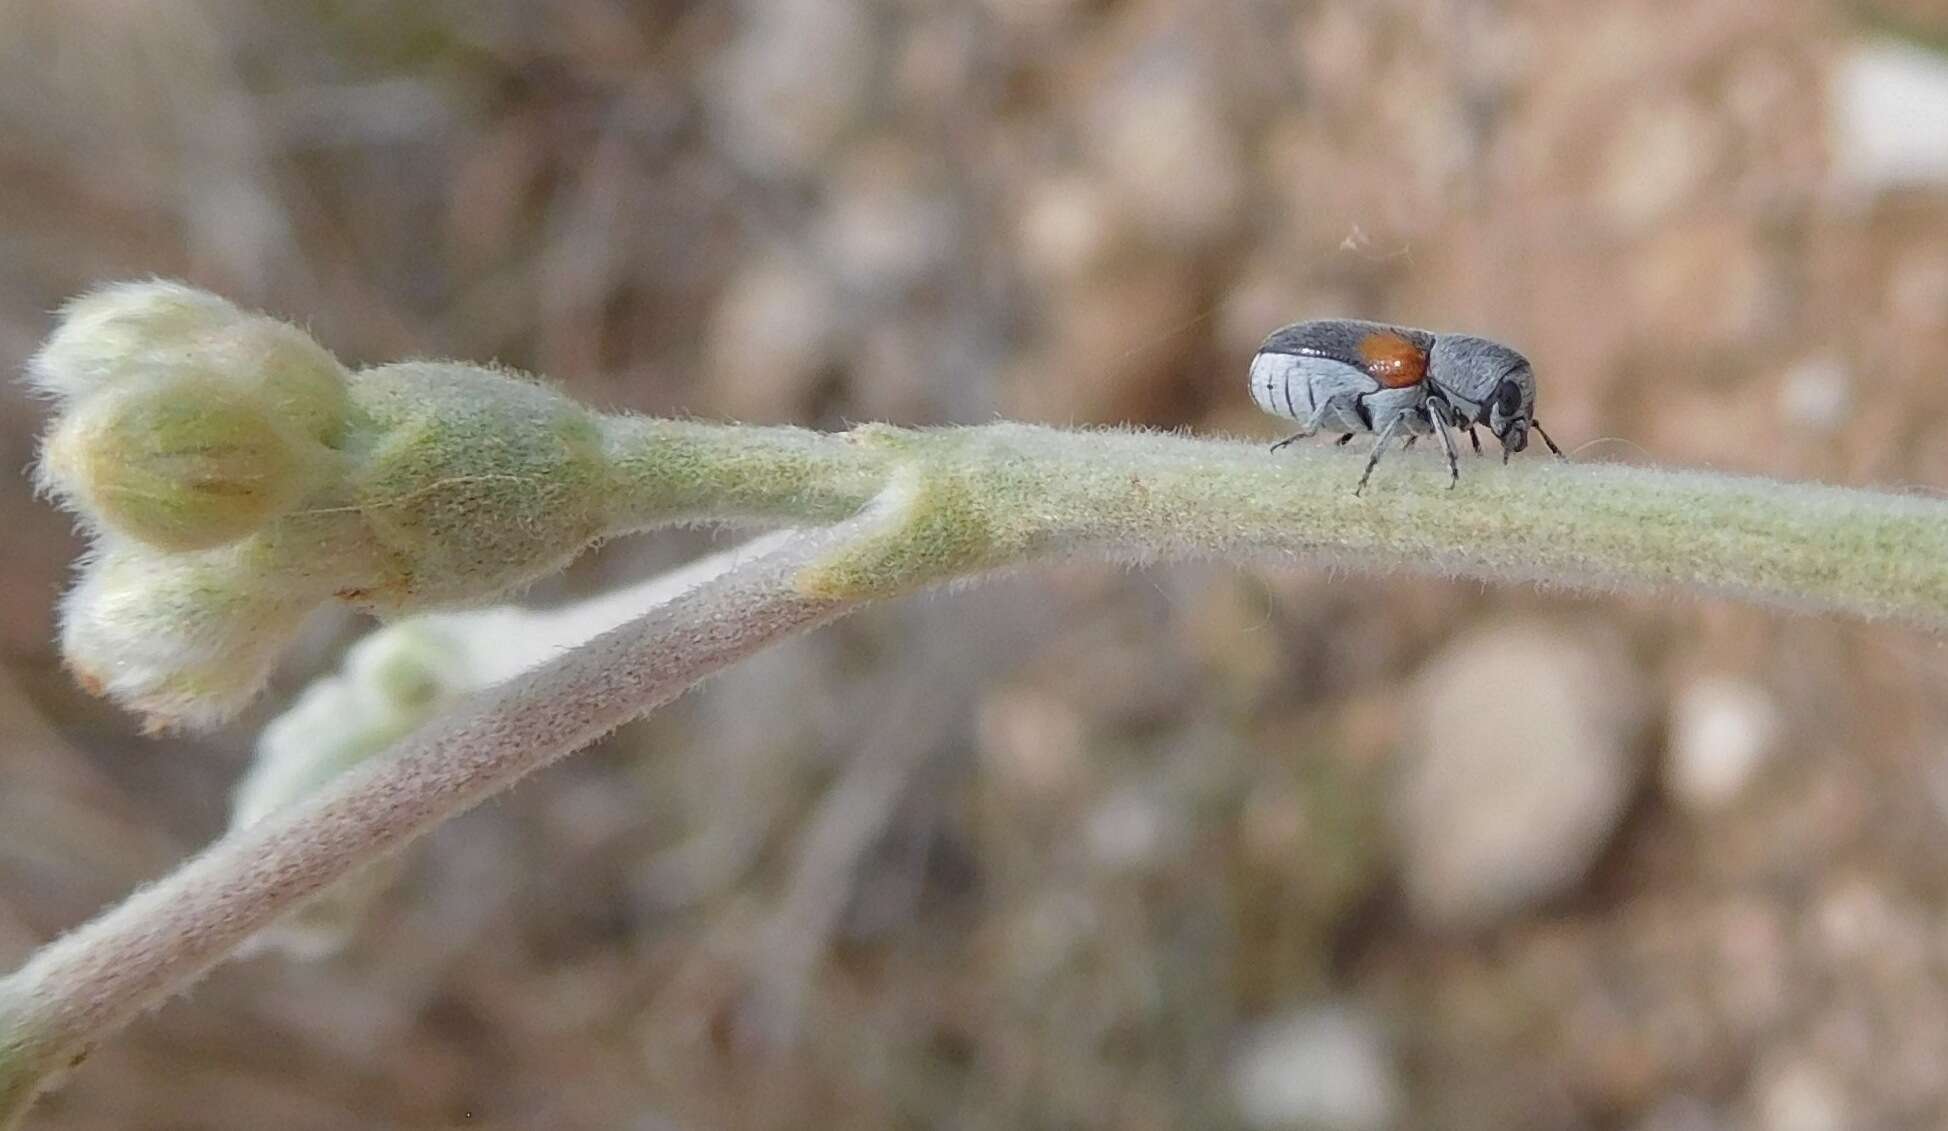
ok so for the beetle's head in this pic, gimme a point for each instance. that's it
(1500, 382)
(1511, 406)
(1494, 379)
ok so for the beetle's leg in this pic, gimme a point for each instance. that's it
(1447, 445)
(1537, 425)
(1409, 445)
(1311, 427)
(1379, 446)
(1474, 438)
(1343, 440)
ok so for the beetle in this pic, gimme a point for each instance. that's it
(1355, 376)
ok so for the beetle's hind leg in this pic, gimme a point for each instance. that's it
(1343, 440)
(1373, 459)
(1311, 428)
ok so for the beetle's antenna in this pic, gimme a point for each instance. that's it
(1537, 425)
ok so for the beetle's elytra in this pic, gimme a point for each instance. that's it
(1354, 377)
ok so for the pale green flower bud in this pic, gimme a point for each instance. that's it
(102, 331)
(186, 423)
(183, 464)
(235, 476)
(184, 639)
(478, 481)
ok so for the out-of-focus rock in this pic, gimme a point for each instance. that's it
(1659, 156)
(1033, 745)
(1855, 922)
(1262, 300)
(1168, 153)
(1132, 829)
(1704, 284)
(1310, 836)
(1682, 1113)
(1801, 1096)
(1324, 1068)
(1722, 730)
(896, 370)
(1065, 227)
(770, 336)
(1338, 48)
(1887, 102)
(1817, 394)
(1750, 968)
(1521, 759)
(883, 226)
(937, 61)
(791, 82)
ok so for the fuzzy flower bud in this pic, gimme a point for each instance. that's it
(234, 476)
(183, 639)
(185, 464)
(186, 423)
(476, 482)
(103, 330)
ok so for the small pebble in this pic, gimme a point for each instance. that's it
(1722, 730)
(1801, 1096)
(1817, 394)
(1324, 1068)
(790, 83)
(1522, 758)
(1887, 102)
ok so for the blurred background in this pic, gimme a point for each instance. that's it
(1187, 847)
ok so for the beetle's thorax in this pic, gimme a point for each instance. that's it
(1468, 369)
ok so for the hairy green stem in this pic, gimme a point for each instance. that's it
(233, 475)
(930, 506)
(1006, 494)
(97, 978)
(665, 471)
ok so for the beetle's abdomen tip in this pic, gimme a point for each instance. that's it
(1271, 383)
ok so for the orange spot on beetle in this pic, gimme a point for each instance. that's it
(1392, 360)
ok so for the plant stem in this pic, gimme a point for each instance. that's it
(1006, 495)
(94, 980)
(694, 471)
(948, 504)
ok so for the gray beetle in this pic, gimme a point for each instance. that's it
(1354, 376)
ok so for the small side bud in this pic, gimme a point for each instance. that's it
(393, 680)
(185, 641)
